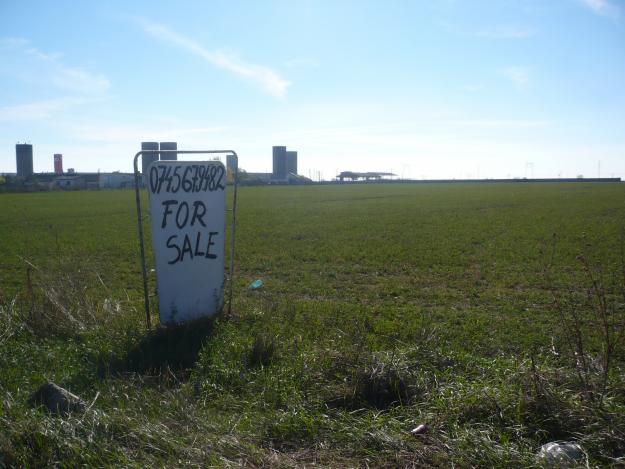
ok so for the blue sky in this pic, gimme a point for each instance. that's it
(448, 88)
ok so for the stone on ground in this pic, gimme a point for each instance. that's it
(57, 400)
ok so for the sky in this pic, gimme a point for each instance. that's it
(437, 89)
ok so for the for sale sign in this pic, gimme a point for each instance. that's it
(187, 211)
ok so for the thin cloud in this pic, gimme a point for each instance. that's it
(266, 78)
(504, 124)
(602, 7)
(506, 32)
(108, 132)
(69, 78)
(34, 52)
(79, 80)
(520, 76)
(13, 42)
(38, 109)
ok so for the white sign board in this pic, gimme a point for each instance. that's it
(187, 211)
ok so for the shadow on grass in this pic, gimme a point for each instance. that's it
(172, 347)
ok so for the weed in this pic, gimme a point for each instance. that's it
(263, 351)
(61, 299)
(383, 382)
(593, 323)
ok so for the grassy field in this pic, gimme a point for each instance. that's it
(488, 312)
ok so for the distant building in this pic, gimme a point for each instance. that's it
(116, 180)
(279, 164)
(257, 178)
(231, 164)
(24, 160)
(150, 156)
(169, 146)
(58, 164)
(354, 176)
(69, 182)
(291, 162)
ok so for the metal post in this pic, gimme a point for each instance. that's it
(146, 298)
(234, 221)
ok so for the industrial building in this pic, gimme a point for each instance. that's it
(291, 162)
(150, 157)
(284, 163)
(68, 182)
(285, 167)
(231, 164)
(354, 176)
(256, 178)
(279, 164)
(58, 164)
(284, 170)
(169, 146)
(152, 149)
(116, 180)
(24, 160)
(75, 181)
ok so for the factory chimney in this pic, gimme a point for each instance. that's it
(58, 164)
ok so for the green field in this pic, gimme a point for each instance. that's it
(384, 306)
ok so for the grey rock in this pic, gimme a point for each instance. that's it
(57, 400)
(561, 454)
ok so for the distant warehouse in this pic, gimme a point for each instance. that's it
(77, 181)
(69, 182)
(116, 180)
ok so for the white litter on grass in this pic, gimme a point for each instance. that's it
(420, 429)
(561, 454)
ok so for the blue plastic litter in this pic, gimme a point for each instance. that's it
(256, 284)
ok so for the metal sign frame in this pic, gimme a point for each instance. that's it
(146, 298)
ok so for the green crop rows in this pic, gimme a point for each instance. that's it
(384, 306)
